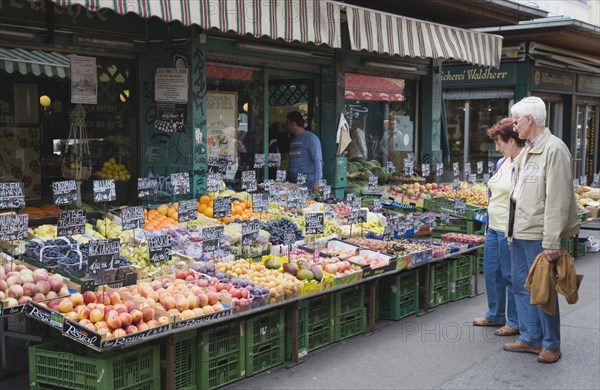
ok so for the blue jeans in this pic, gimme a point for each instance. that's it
(497, 272)
(536, 327)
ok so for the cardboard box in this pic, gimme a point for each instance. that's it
(592, 212)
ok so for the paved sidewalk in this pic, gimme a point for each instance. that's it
(442, 350)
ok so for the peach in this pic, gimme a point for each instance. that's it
(113, 320)
(198, 311)
(129, 329)
(152, 323)
(72, 316)
(142, 326)
(84, 313)
(65, 305)
(202, 300)
(147, 313)
(168, 302)
(187, 314)
(192, 301)
(182, 303)
(208, 309)
(136, 316)
(103, 298)
(96, 315)
(119, 333)
(163, 320)
(126, 319)
(218, 307)
(84, 322)
(77, 299)
(89, 297)
(114, 298)
(213, 297)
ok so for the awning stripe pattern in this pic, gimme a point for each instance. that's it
(36, 62)
(415, 38)
(305, 21)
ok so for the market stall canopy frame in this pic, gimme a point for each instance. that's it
(37, 62)
(378, 32)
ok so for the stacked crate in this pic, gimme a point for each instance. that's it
(399, 295)
(461, 277)
(221, 355)
(350, 312)
(265, 341)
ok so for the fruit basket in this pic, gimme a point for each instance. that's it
(50, 255)
(74, 264)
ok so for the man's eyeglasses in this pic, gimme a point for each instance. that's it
(515, 123)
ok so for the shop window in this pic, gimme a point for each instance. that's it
(381, 114)
(235, 128)
(35, 123)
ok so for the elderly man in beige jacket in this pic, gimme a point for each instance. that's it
(542, 210)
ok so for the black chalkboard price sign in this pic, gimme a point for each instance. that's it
(218, 165)
(274, 160)
(250, 231)
(12, 195)
(13, 227)
(212, 237)
(249, 181)
(104, 191)
(260, 203)
(180, 183)
(147, 187)
(362, 216)
(188, 210)
(280, 176)
(214, 182)
(259, 160)
(314, 223)
(72, 222)
(301, 179)
(103, 254)
(64, 192)
(222, 207)
(132, 217)
(160, 248)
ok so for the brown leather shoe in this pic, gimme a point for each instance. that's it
(519, 346)
(548, 356)
(482, 321)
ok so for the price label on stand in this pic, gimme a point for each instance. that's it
(456, 185)
(390, 167)
(212, 238)
(294, 197)
(425, 170)
(388, 233)
(132, 218)
(64, 192)
(467, 168)
(455, 169)
(460, 205)
(444, 219)
(274, 160)
(180, 183)
(103, 254)
(147, 187)
(314, 223)
(12, 195)
(260, 203)
(377, 206)
(411, 157)
(352, 218)
(326, 192)
(328, 211)
(289, 237)
(491, 169)
(281, 176)
(393, 221)
(104, 190)
(596, 180)
(373, 182)
(362, 216)
(408, 167)
(249, 181)
(583, 180)
(301, 179)
(479, 167)
(217, 165)
(214, 182)
(250, 232)
(160, 248)
(259, 160)
(356, 203)
(472, 179)
(187, 210)
(13, 226)
(486, 177)
(439, 169)
(222, 207)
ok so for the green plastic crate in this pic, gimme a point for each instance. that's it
(461, 288)
(349, 300)
(320, 334)
(65, 364)
(302, 330)
(568, 243)
(185, 376)
(480, 252)
(445, 205)
(438, 296)
(582, 250)
(321, 308)
(439, 275)
(350, 324)
(265, 338)
(457, 226)
(399, 295)
(460, 267)
(222, 355)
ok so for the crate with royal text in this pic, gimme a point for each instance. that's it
(68, 365)
(222, 355)
(265, 341)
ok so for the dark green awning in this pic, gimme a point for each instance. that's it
(36, 62)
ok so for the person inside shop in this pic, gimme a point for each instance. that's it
(274, 131)
(502, 309)
(358, 145)
(305, 152)
(542, 210)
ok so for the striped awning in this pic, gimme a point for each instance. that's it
(37, 62)
(378, 32)
(305, 21)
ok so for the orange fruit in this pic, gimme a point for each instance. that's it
(162, 209)
(202, 207)
(237, 210)
(204, 199)
(208, 212)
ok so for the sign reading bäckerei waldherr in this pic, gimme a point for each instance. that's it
(456, 76)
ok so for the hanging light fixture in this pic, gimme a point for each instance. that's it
(45, 101)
